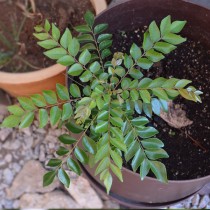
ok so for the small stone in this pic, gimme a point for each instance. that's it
(177, 206)
(52, 200)
(30, 180)
(28, 143)
(42, 153)
(84, 194)
(8, 204)
(195, 200)
(41, 131)
(27, 131)
(12, 145)
(204, 202)
(4, 133)
(16, 167)
(108, 204)
(187, 204)
(16, 204)
(8, 158)
(2, 163)
(8, 176)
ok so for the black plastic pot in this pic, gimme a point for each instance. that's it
(131, 14)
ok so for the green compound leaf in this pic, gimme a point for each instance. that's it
(62, 92)
(165, 25)
(55, 115)
(108, 182)
(105, 53)
(138, 159)
(128, 61)
(63, 177)
(26, 103)
(75, 70)
(155, 154)
(74, 47)
(118, 143)
(135, 51)
(160, 93)
(41, 36)
(55, 32)
(48, 44)
(144, 169)
(159, 170)
(164, 47)
(116, 158)
(38, 100)
(100, 28)
(66, 60)
(11, 121)
(89, 145)
(174, 39)
(177, 26)
(48, 178)
(103, 165)
(101, 127)
(156, 106)
(95, 67)
(86, 76)
(43, 118)
(27, 120)
(154, 32)
(71, 126)
(145, 95)
(152, 143)
(147, 42)
(67, 111)
(50, 97)
(83, 38)
(154, 56)
(103, 37)
(47, 26)
(144, 63)
(182, 83)
(105, 44)
(81, 155)
(55, 53)
(75, 91)
(89, 18)
(147, 132)
(83, 29)
(54, 162)
(66, 139)
(85, 57)
(116, 171)
(16, 110)
(66, 38)
(135, 73)
(62, 151)
(74, 166)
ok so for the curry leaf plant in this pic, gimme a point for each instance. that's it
(109, 102)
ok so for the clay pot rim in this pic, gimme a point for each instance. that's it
(169, 181)
(44, 73)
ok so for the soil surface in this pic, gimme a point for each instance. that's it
(191, 60)
(26, 54)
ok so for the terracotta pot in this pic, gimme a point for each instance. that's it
(151, 193)
(25, 84)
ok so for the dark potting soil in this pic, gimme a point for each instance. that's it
(27, 55)
(191, 60)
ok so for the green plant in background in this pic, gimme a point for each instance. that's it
(10, 38)
(110, 102)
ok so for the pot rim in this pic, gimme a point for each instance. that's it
(44, 73)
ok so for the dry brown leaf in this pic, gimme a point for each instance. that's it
(176, 116)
